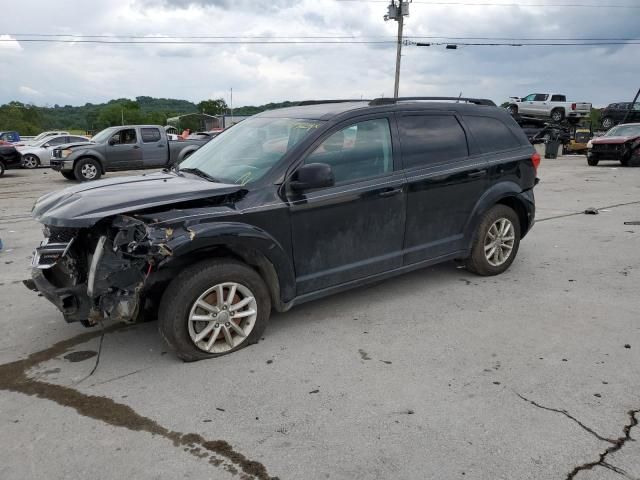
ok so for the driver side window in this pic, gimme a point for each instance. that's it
(359, 151)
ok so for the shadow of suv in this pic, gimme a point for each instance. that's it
(288, 206)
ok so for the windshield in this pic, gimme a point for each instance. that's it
(40, 137)
(247, 151)
(103, 135)
(623, 131)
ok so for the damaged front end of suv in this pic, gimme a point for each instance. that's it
(95, 264)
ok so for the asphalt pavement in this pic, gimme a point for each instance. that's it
(533, 374)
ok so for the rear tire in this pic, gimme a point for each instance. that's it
(69, 175)
(197, 285)
(557, 115)
(496, 242)
(87, 169)
(1, 168)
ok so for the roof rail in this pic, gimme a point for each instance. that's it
(319, 102)
(390, 100)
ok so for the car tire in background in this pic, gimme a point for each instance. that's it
(1, 168)
(87, 169)
(592, 161)
(512, 109)
(557, 115)
(69, 175)
(30, 161)
(200, 305)
(496, 242)
(607, 123)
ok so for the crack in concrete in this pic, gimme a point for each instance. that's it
(571, 417)
(14, 377)
(616, 444)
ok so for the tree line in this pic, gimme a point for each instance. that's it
(28, 119)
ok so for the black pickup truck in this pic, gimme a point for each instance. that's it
(121, 148)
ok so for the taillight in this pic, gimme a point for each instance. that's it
(535, 159)
(573, 106)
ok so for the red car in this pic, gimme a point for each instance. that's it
(621, 143)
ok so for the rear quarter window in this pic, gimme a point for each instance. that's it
(491, 134)
(150, 135)
(431, 140)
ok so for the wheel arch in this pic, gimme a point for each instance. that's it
(246, 243)
(92, 156)
(505, 193)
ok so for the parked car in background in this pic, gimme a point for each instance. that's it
(615, 113)
(621, 143)
(203, 135)
(38, 153)
(285, 207)
(548, 105)
(121, 148)
(41, 136)
(9, 137)
(9, 158)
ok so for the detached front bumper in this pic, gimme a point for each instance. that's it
(73, 301)
(60, 165)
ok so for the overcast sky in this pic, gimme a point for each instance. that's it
(74, 74)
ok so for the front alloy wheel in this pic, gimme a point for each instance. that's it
(30, 161)
(222, 317)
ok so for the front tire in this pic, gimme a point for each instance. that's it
(30, 161)
(592, 161)
(87, 169)
(213, 308)
(1, 168)
(69, 175)
(496, 242)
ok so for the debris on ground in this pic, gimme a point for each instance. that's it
(591, 211)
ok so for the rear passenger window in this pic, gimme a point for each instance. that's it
(150, 135)
(558, 98)
(491, 134)
(431, 139)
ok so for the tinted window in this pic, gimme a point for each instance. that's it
(540, 97)
(491, 134)
(77, 139)
(558, 98)
(431, 139)
(362, 150)
(150, 135)
(57, 141)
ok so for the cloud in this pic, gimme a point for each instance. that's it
(79, 73)
(28, 91)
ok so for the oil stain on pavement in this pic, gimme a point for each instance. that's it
(14, 377)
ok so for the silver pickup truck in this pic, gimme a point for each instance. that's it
(121, 148)
(553, 106)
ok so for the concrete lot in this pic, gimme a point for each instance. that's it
(437, 374)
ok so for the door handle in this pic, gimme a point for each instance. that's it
(390, 192)
(161, 146)
(478, 174)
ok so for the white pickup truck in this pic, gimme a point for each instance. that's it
(548, 105)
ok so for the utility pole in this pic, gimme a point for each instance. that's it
(397, 11)
(231, 101)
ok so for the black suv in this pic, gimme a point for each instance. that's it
(285, 207)
(615, 113)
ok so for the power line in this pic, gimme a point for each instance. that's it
(491, 4)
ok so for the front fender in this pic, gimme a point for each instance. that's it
(247, 241)
(88, 153)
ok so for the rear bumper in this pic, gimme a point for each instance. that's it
(529, 202)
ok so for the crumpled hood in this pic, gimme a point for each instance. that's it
(85, 204)
(74, 145)
(613, 140)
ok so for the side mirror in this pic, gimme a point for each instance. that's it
(46, 145)
(313, 175)
(111, 141)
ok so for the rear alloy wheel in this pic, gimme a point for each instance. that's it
(213, 308)
(87, 169)
(30, 161)
(496, 242)
(557, 115)
(607, 122)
